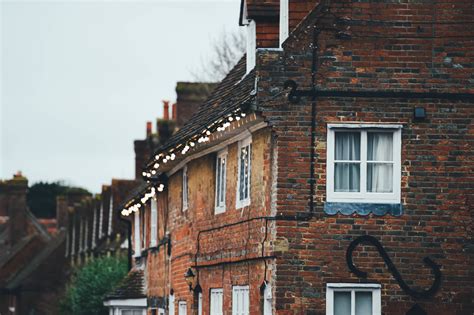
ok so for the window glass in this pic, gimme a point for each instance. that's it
(380, 162)
(342, 303)
(185, 188)
(221, 163)
(363, 303)
(347, 173)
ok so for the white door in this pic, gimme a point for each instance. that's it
(182, 309)
(216, 301)
(240, 300)
(171, 305)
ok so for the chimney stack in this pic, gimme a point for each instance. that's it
(148, 128)
(173, 112)
(62, 212)
(166, 111)
(16, 190)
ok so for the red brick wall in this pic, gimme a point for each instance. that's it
(241, 242)
(392, 47)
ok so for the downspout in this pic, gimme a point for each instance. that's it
(314, 70)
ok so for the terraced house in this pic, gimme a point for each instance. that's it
(330, 172)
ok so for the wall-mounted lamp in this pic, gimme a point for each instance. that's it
(419, 113)
(189, 277)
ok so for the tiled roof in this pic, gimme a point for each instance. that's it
(230, 94)
(132, 287)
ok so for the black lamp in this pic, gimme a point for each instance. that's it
(189, 277)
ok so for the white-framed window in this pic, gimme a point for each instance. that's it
(240, 300)
(94, 229)
(136, 234)
(353, 299)
(143, 228)
(363, 163)
(154, 222)
(244, 172)
(132, 312)
(267, 300)
(283, 21)
(171, 304)
(185, 188)
(200, 303)
(101, 218)
(221, 170)
(111, 213)
(216, 302)
(182, 308)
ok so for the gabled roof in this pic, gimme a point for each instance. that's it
(131, 287)
(234, 91)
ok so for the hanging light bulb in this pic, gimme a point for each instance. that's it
(156, 165)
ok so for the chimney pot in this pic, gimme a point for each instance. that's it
(166, 112)
(174, 112)
(148, 128)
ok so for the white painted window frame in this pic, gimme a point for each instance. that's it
(251, 45)
(171, 304)
(101, 219)
(243, 143)
(236, 290)
(217, 293)
(182, 305)
(363, 196)
(284, 21)
(267, 300)
(94, 229)
(136, 235)
(143, 235)
(220, 207)
(153, 222)
(111, 213)
(354, 287)
(185, 188)
(200, 303)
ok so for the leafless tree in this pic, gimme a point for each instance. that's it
(227, 49)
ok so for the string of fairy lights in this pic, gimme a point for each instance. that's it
(151, 170)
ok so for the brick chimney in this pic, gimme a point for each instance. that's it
(16, 192)
(189, 96)
(166, 110)
(173, 112)
(62, 208)
(148, 128)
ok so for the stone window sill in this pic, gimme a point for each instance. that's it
(349, 208)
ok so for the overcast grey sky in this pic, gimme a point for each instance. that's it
(79, 79)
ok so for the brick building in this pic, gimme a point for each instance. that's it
(32, 257)
(329, 173)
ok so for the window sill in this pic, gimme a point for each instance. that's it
(378, 209)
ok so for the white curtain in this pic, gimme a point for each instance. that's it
(347, 174)
(380, 149)
(342, 303)
(363, 303)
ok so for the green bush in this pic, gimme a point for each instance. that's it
(89, 285)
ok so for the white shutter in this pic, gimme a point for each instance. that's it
(154, 231)
(216, 302)
(240, 300)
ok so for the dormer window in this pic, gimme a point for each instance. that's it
(251, 44)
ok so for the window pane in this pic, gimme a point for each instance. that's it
(347, 177)
(242, 173)
(347, 146)
(127, 312)
(380, 177)
(379, 146)
(363, 303)
(218, 184)
(342, 303)
(223, 169)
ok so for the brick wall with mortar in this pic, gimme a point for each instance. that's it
(415, 46)
(184, 227)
